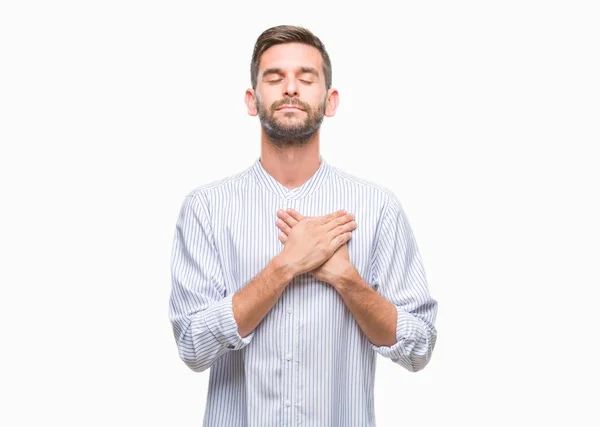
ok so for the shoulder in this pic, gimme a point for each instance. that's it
(384, 204)
(365, 187)
(202, 200)
(220, 187)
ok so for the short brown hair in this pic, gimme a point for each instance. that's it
(287, 34)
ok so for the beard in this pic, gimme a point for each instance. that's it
(290, 130)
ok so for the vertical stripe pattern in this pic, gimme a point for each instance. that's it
(308, 362)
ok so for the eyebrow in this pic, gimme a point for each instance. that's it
(302, 70)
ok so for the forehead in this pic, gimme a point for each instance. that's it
(290, 56)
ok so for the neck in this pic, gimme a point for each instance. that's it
(290, 164)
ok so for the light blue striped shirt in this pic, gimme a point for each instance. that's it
(308, 362)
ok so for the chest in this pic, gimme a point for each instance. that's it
(247, 237)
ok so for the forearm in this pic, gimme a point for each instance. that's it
(252, 303)
(376, 317)
(405, 338)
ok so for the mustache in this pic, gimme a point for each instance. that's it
(293, 102)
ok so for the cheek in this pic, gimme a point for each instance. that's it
(317, 102)
(268, 96)
(263, 106)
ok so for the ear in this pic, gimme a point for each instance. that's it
(251, 101)
(332, 101)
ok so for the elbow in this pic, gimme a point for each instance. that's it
(196, 366)
(197, 347)
(192, 361)
(416, 355)
(411, 362)
(418, 362)
(199, 357)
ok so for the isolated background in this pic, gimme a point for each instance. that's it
(483, 117)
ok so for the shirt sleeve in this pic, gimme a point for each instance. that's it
(399, 276)
(200, 309)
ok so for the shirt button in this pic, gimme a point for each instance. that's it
(288, 403)
(288, 356)
(289, 309)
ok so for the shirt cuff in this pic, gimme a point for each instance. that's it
(221, 323)
(406, 327)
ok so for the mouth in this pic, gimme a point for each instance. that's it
(289, 108)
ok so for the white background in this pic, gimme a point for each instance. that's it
(482, 116)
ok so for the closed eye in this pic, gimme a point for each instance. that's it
(308, 82)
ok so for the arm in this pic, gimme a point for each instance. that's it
(252, 303)
(399, 276)
(375, 316)
(200, 310)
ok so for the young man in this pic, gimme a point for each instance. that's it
(283, 294)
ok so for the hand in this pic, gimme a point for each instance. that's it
(333, 267)
(313, 240)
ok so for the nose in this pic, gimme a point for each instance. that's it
(291, 87)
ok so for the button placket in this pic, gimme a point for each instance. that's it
(291, 330)
(287, 349)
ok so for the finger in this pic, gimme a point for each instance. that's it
(339, 221)
(283, 226)
(289, 220)
(295, 214)
(340, 240)
(282, 237)
(326, 218)
(340, 229)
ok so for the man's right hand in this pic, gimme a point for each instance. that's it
(314, 240)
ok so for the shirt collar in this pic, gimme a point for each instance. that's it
(271, 184)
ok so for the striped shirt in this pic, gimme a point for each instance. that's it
(308, 362)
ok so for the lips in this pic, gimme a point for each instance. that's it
(290, 106)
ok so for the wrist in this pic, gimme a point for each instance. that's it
(346, 279)
(286, 270)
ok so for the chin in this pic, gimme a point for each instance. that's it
(287, 123)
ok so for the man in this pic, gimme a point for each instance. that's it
(292, 275)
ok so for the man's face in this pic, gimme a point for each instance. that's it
(291, 75)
